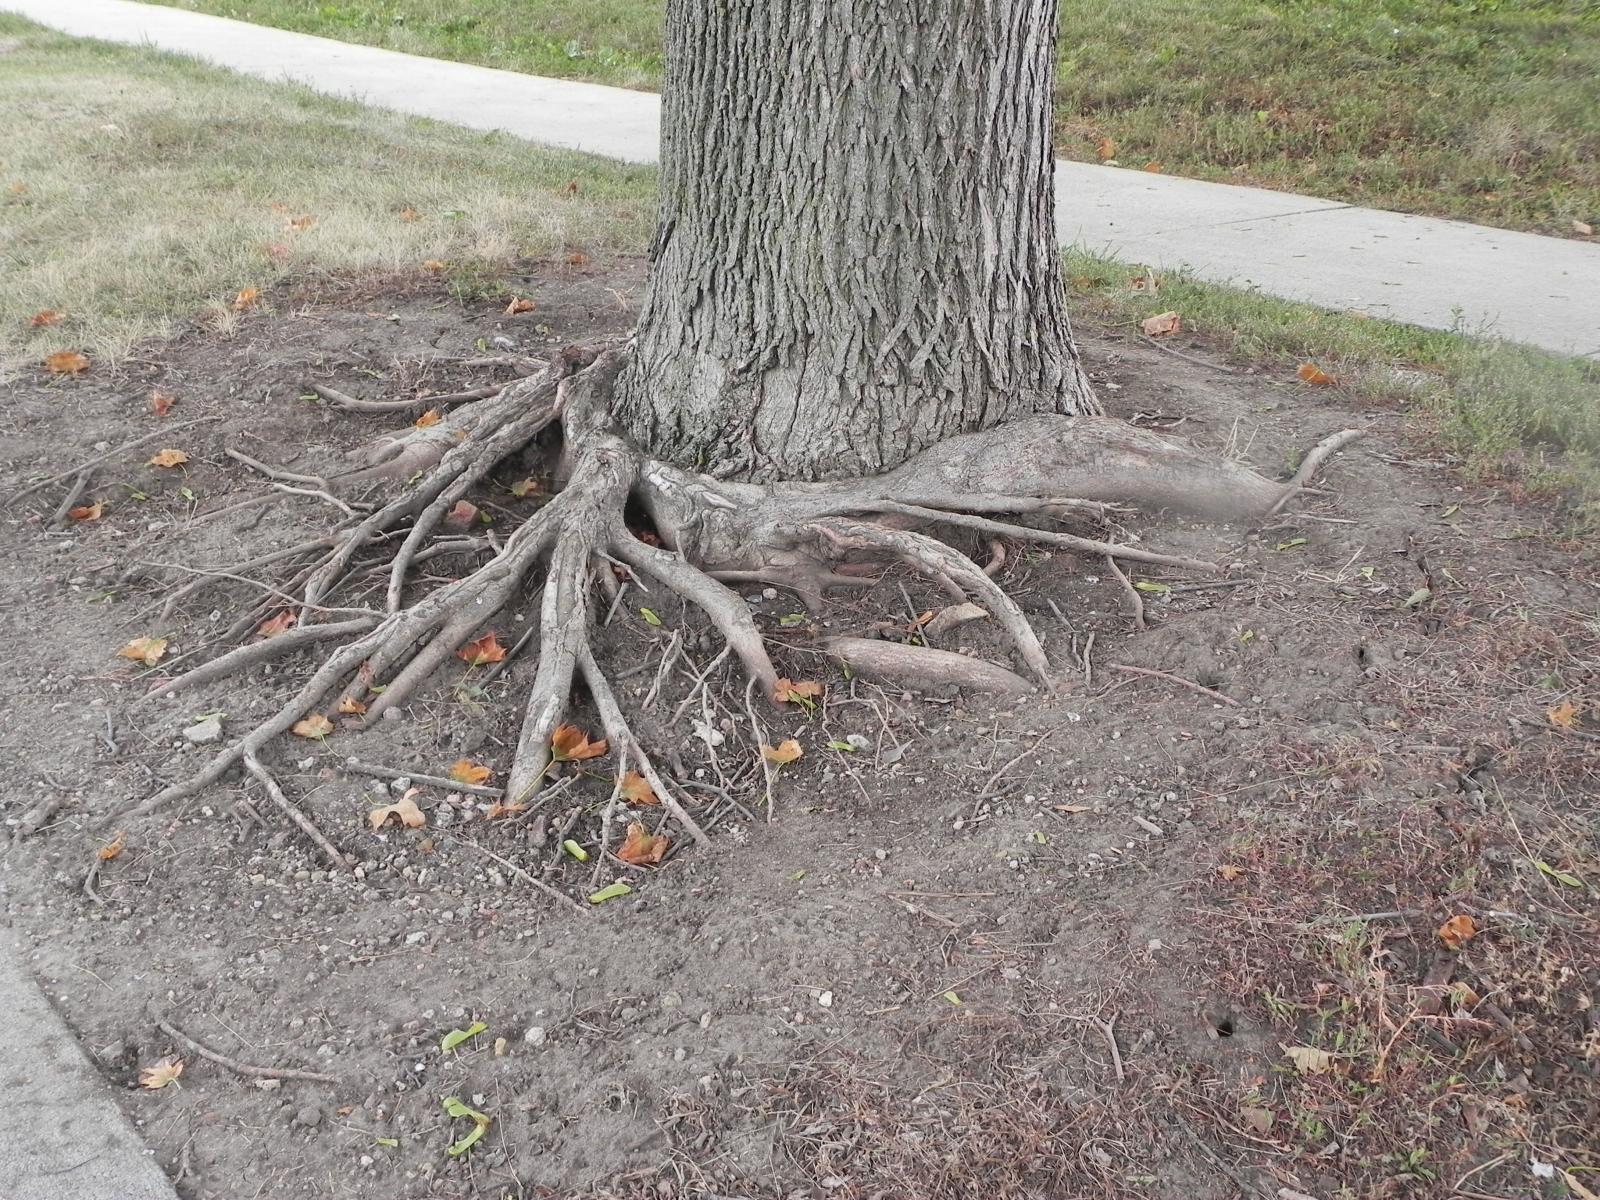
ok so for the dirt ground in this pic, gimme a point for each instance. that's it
(1130, 939)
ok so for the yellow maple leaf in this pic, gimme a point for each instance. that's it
(464, 770)
(313, 726)
(404, 809)
(785, 751)
(161, 1074)
(147, 650)
(168, 458)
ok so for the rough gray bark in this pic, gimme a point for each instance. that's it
(855, 257)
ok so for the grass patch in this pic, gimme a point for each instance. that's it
(1511, 413)
(1488, 110)
(164, 186)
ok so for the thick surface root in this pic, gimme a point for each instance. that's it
(806, 537)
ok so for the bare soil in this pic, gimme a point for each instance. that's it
(1054, 948)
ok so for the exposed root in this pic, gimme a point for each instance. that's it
(806, 537)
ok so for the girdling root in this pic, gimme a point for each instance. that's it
(806, 537)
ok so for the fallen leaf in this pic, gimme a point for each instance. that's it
(1161, 324)
(147, 650)
(611, 891)
(47, 316)
(574, 849)
(1563, 715)
(432, 417)
(520, 304)
(314, 726)
(577, 259)
(1106, 148)
(651, 617)
(642, 849)
(168, 458)
(456, 1036)
(482, 651)
(159, 1076)
(497, 810)
(280, 623)
(785, 690)
(1072, 809)
(87, 512)
(1583, 228)
(1562, 877)
(569, 744)
(246, 298)
(408, 213)
(18, 188)
(1230, 872)
(524, 488)
(434, 266)
(161, 402)
(1153, 167)
(1308, 1060)
(351, 707)
(480, 1122)
(404, 808)
(112, 848)
(636, 789)
(1315, 375)
(464, 770)
(300, 224)
(571, 187)
(785, 751)
(66, 362)
(1458, 931)
(1259, 1119)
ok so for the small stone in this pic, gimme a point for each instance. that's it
(825, 999)
(679, 1054)
(535, 1036)
(769, 593)
(308, 1116)
(269, 1085)
(417, 938)
(203, 733)
(671, 1000)
(500, 1045)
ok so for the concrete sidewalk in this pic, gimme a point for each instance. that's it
(64, 1137)
(1440, 274)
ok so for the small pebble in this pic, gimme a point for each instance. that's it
(535, 1036)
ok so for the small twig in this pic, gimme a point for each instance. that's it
(90, 879)
(526, 877)
(1132, 593)
(318, 494)
(332, 853)
(73, 493)
(988, 788)
(276, 474)
(470, 789)
(1188, 358)
(758, 735)
(1178, 679)
(233, 1064)
(1088, 662)
(1108, 1031)
(164, 431)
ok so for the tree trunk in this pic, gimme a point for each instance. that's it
(855, 256)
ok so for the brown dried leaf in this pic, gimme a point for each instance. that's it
(1230, 872)
(1106, 148)
(66, 362)
(300, 224)
(112, 848)
(408, 214)
(404, 808)
(1161, 324)
(636, 789)
(168, 458)
(786, 751)
(161, 1074)
(482, 651)
(313, 726)
(1310, 373)
(1308, 1060)
(464, 770)
(147, 650)
(520, 304)
(524, 488)
(1153, 167)
(432, 417)
(87, 512)
(161, 402)
(786, 690)
(434, 266)
(246, 298)
(1458, 931)
(350, 707)
(577, 259)
(642, 849)
(280, 623)
(47, 316)
(569, 744)
(1563, 715)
